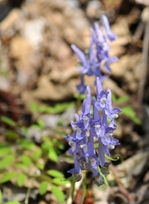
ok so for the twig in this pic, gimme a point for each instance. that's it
(144, 61)
(27, 195)
(121, 187)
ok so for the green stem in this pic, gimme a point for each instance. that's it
(73, 189)
(78, 103)
(83, 190)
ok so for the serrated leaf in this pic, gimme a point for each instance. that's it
(53, 155)
(8, 121)
(26, 160)
(58, 193)
(43, 187)
(55, 173)
(13, 202)
(7, 177)
(21, 179)
(6, 161)
(60, 181)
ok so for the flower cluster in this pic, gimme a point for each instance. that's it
(90, 128)
(98, 54)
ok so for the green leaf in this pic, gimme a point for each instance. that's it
(123, 99)
(40, 165)
(43, 187)
(43, 109)
(34, 107)
(60, 123)
(7, 160)
(58, 193)
(37, 154)
(7, 177)
(36, 126)
(110, 158)
(53, 155)
(20, 165)
(114, 99)
(26, 160)
(8, 121)
(79, 96)
(47, 144)
(60, 181)
(4, 149)
(58, 143)
(24, 130)
(55, 173)
(1, 198)
(137, 121)
(40, 123)
(129, 112)
(26, 144)
(11, 134)
(13, 202)
(21, 179)
(60, 107)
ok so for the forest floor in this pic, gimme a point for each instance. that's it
(38, 78)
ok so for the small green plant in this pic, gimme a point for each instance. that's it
(23, 162)
(58, 108)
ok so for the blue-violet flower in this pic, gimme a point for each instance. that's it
(90, 128)
(98, 54)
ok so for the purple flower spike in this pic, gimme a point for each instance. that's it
(89, 127)
(111, 36)
(81, 87)
(87, 105)
(76, 171)
(101, 125)
(98, 53)
(99, 180)
(98, 86)
(112, 113)
(99, 34)
(85, 66)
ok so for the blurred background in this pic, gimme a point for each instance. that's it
(38, 98)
